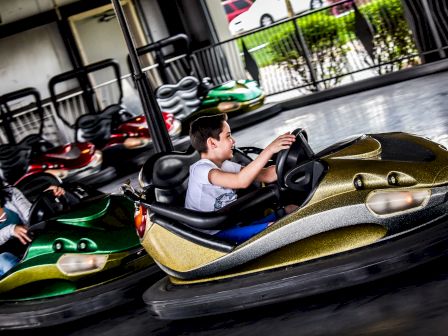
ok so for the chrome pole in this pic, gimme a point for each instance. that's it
(157, 128)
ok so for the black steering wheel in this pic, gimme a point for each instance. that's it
(37, 144)
(46, 206)
(287, 159)
(33, 185)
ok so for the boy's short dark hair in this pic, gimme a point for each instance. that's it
(206, 127)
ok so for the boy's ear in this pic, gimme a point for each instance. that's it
(211, 143)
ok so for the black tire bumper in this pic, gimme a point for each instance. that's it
(97, 179)
(248, 118)
(391, 256)
(58, 310)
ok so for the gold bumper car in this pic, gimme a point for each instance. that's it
(368, 207)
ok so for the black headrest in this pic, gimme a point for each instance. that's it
(119, 114)
(94, 128)
(111, 110)
(38, 144)
(14, 161)
(167, 170)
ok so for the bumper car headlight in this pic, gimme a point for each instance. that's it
(228, 106)
(76, 264)
(175, 129)
(389, 203)
(140, 220)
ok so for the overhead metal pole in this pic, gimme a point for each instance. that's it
(157, 128)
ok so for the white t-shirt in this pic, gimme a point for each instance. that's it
(204, 196)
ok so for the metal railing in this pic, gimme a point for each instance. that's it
(26, 120)
(319, 49)
(307, 53)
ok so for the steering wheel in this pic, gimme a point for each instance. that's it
(300, 151)
(124, 115)
(33, 185)
(37, 144)
(47, 205)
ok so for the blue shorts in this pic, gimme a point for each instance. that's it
(240, 234)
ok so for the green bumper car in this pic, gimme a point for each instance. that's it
(242, 100)
(368, 207)
(84, 258)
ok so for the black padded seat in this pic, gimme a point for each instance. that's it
(167, 174)
(181, 99)
(111, 110)
(37, 144)
(241, 211)
(95, 128)
(118, 113)
(165, 177)
(14, 161)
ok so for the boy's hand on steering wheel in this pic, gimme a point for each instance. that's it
(57, 191)
(21, 233)
(284, 141)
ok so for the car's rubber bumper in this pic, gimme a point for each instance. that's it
(96, 179)
(387, 257)
(58, 310)
(248, 118)
(237, 119)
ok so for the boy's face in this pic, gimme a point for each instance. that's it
(223, 148)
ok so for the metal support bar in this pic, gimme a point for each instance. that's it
(157, 128)
(434, 31)
(306, 54)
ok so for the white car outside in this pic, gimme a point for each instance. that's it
(264, 12)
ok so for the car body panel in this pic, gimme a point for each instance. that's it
(274, 9)
(103, 225)
(233, 8)
(336, 208)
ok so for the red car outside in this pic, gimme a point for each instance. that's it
(233, 8)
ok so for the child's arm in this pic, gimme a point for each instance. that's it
(249, 173)
(267, 175)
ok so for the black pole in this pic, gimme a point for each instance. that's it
(157, 128)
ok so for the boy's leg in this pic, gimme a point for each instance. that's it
(290, 208)
(7, 261)
(241, 233)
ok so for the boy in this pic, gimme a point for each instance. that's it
(214, 178)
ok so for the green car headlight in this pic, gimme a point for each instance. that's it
(228, 106)
(392, 202)
(76, 264)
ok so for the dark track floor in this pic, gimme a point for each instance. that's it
(415, 303)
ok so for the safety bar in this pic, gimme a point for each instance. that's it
(157, 48)
(7, 114)
(158, 45)
(80, 74)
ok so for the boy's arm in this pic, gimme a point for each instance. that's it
(267, 175)
(248, 174)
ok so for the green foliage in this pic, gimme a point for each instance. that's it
(321, 36)
(394, 45)
(330, 39)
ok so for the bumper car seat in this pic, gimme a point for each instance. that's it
(165, 177)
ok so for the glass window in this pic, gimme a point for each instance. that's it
(241, 4)
(228, 9)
